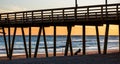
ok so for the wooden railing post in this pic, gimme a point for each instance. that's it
(0, 17)
(57, 17)
(49, 18)
(66, 16)
(52, 15)
(15, 17)
(63, 15)
(96, 15)
(23, 17)
(26, 17)
(85, 16)
(75, 14)
(32, 16)
(102, 13)
(117, 10)
(87, 13)
(7, 19)
(42, 16)
(106, 12)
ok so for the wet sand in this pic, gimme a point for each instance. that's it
(113, 57)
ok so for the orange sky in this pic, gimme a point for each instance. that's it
(77, 30)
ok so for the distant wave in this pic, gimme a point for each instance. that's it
(51, 47)
(113, 40)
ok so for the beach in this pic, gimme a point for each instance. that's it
(113, 57)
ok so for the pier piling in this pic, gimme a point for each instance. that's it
(98, 40)
(6, 46)
(106, 39)
(45, 42)
(68, 41)
(24, 41)
(84, 43)
(54, 40)
(13, 41)
(119, 37)
(29, 42)
(38, 40)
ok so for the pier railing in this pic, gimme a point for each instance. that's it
(85, 13)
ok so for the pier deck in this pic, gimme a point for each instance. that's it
(95, 15)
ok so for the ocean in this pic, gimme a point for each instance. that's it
(91, 43)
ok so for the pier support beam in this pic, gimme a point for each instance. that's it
(68, 42)
(54, 40)
(98, 40)
(13, 41)
(71, 49)
(25, 46)
(45, 43)
(106, 39)
(9, 40)
(38, 40)
(6, 46)
(84, 43)
(29, 42)
(119, 37)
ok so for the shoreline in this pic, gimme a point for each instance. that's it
(42, 55)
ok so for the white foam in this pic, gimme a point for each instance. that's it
(113, 41)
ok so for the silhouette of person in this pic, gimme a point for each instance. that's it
(78, 51)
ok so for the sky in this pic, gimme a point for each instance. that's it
(23, 5)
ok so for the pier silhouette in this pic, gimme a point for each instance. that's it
(94, 15)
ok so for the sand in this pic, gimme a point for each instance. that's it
(113, 57)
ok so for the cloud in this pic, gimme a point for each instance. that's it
(12, 8)
(17, 8)
(3, 11)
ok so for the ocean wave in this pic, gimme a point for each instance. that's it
(113, 47)
(91, 48)
(113, 40)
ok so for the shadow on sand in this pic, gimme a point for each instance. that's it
(112, 58)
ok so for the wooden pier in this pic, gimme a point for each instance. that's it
(95, 15)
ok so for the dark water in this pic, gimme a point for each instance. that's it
(91, 43)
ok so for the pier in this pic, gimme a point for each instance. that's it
(94, 15)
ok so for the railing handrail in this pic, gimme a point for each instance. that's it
(71, 13)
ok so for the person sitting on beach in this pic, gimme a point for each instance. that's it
(78, 51)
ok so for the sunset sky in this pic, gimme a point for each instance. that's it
(23, 5)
